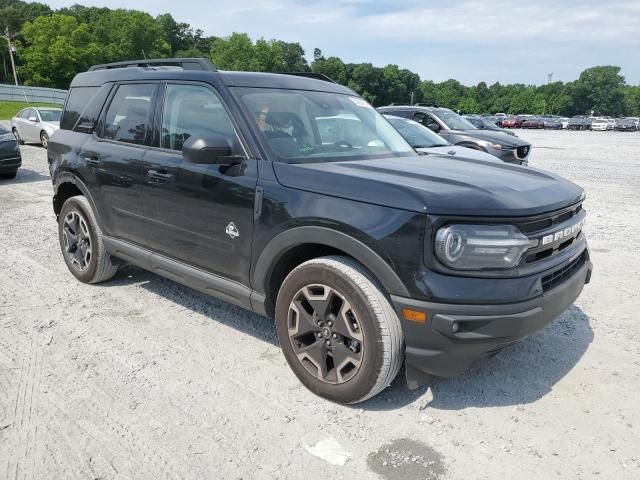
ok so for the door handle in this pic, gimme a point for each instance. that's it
(92, 160)
(159, 176)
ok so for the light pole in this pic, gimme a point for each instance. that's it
(7, 36)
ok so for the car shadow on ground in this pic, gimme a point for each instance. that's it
(25, 175)
(521, 374)
(216, 310)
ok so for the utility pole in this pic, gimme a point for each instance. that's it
(7, 36)
(549, 77)
(411, 98)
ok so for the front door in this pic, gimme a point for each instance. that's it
(199, 214)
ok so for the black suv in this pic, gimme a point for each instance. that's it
(459, 131)
(252, 187)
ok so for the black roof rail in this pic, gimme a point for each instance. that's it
(185, 63)
(425, 104)
(317, 76)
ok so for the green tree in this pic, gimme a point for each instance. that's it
(599, 89)
(58, 48)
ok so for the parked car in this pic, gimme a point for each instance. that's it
(367, 254)
(564, 122)
(482, 123)
(458, 131)
(533, 122)
(10, 159)
(625, 125)
(552, 123)
(600, 125)
(36, 124)
(579, 123)
(512, 122)
(423, 140)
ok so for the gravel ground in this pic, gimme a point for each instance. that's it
(141, 378)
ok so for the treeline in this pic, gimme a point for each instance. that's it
(53, 45)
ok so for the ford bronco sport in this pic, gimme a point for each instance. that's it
(252, 188)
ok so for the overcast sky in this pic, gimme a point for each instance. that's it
(471, 41)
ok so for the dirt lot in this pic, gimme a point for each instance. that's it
(142, 378)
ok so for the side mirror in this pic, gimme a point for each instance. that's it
(212, 149)
(32, 119)
(433, 126)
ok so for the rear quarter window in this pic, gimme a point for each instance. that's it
(83, 107)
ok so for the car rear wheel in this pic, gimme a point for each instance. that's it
(44, 139)
(17, 135)
(81, 242)
(338, 331)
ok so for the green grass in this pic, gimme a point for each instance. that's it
(9, 109)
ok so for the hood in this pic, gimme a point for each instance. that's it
(455, 152)
(493, 137)
(434, 184)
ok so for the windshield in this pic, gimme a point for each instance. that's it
(50, 115)
(299, 126)
(452, 120)
(417, 135)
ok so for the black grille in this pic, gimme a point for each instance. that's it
(522, 152)
(562, 274)
(537, 225)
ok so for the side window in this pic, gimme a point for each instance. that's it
(192, 110)
(77, 101)
(28, 113)
(127, 117)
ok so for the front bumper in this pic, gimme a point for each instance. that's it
(457, 337)
(511, 155)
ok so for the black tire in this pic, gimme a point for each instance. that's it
(381, 338)
(8, 176)
(17, 135)
(98, 267)
(44, 139)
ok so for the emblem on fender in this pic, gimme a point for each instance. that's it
(232, 230)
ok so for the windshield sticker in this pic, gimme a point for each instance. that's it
(360, 102)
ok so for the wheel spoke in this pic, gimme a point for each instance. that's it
(346, 323)
(343, 356)
(316, 353)
(305, 323)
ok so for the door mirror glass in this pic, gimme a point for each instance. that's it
(210, 149)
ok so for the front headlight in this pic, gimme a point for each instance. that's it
(7, 137)
(481, 247)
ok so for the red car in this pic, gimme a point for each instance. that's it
(511, 122)
(533, 123)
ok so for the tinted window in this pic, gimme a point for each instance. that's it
(417, 135)
(77, 101)
(127, 117)
(191, 110)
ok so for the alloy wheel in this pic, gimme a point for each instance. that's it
(44, 139)
(325, 333)
(77, 241)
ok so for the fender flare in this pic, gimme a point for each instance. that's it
(285, 241)
(68, 177)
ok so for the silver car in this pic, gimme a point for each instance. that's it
(36, 124)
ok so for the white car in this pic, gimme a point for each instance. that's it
(600, 125)
(565, 123)
(36, 124)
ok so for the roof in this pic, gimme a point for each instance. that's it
(98, 77)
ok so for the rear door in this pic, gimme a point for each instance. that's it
(114, 156)
(27, 128)
(199, 214)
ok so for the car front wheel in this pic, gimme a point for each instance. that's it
(338, 331)
(44, 139)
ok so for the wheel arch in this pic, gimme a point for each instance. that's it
(67, 185)
(293, 247)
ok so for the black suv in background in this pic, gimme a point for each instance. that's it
(252, 187)
(458, 131)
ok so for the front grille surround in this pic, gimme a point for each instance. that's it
(564, 273)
